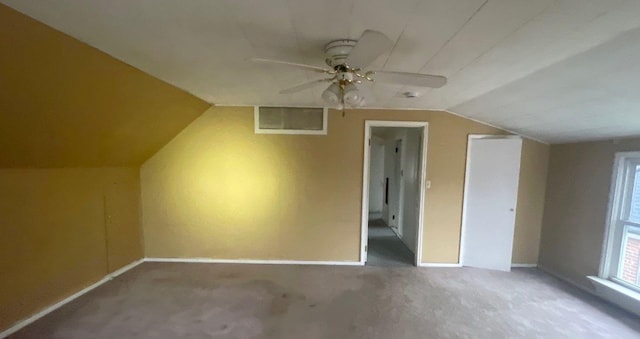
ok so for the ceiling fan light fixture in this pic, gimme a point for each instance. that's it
(332, 94)
(352, 95)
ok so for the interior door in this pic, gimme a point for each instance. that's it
(376, 178)
(396, 182)
(491, 190)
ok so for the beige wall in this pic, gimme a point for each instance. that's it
(62, 230)
(531, 193)
(220, 191)
(66, 104)
(576, 207)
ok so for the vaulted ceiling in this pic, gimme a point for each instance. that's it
(555, 70)
(66, 104)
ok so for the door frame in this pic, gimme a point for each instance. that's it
(368, 125)
(466, 187)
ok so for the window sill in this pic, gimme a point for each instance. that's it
(617, 294)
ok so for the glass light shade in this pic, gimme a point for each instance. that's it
(352, 96)
(331, 95)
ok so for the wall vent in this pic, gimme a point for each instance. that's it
(290, 120)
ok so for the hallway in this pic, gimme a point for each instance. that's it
(385, 248)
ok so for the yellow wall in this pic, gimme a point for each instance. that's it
(220, 191)
(530, 207)
(62, 230)
(66, 104)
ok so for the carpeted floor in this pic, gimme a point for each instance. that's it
(385, 248)
(177, 300)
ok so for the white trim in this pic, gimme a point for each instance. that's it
(617, 294)
(443, 265)
(423, 194)
(254, 261)
(125, 268)
(258, 130)
(426, 264)
(368, 124)
(617, 178)
(24, 322)
(566, 280)
(466, 186)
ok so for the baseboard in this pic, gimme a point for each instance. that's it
(254, 261)
(594, 292)
(430, 264)
(566, 280)
(426, 264)
(24, 322)
(124, 269)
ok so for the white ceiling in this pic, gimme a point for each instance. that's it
(558, 71)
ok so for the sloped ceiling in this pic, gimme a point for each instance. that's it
(66, 104)
(556, 70)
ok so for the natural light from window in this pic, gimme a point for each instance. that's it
(622, 253)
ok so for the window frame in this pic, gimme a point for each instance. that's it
(258, 130)
(617, 217)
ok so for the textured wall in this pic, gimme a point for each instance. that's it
(576, 204)
(220, 191)
(66, 104)
(62, 230)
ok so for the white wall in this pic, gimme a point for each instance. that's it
(376, 178)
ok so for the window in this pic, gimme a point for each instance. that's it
(621, 262)
(290, 120)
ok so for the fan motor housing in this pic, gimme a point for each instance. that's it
(337, 51)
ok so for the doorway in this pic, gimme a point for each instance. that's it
(394, 174)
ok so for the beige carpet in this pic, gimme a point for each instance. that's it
(158, 300)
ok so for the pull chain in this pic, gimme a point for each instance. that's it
(342, 99)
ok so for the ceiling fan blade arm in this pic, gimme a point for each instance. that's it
(410, 79)
(370, 46)
(304, 86)
(291, 64)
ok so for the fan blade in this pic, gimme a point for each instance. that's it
(410, 79)
(292, 64)
(370, 46)
(304, 86)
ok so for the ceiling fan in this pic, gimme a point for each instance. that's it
(347, 60)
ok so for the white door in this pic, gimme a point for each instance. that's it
(491, 191)
(396, 187)
(376, 178)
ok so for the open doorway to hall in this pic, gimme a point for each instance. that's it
(394, 208)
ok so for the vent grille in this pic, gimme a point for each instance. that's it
(290, 120)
